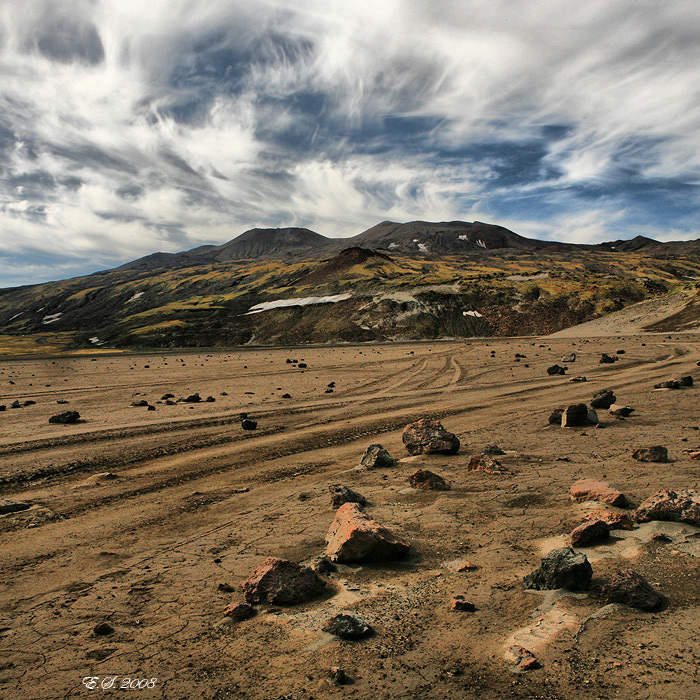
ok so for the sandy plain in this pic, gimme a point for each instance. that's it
(147, 550)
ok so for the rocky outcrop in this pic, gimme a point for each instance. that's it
(282, 582)
(427, 436)
(592, 490)
(681, 506)
(561, 568)
(631, 588)
(354, 536)
(486, 463)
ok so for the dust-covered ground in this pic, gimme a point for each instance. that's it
(196, 502)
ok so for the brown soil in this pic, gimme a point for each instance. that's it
(147, 550)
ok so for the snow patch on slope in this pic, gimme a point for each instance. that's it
(302, 301)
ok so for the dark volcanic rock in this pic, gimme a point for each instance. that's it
(561, 568)
(657, 453)
(103, 629)
(427, 436)
(139, 404)
(459, 603)
(240, 611)
(354, 536)
(556, 416)
(492, 450)
(606, 359)
(282, 582)
(424, 479)
(192, 398)
(678, 506)
(348, 626)
(590, 533)
(668, 384)
(630, 588)
(603, 399)
(620, 411)
(343, 494)
(577, 380)
(376, 457)
(556, 370)
(686, 380)
(339, 677)
(65, 418)
(248, 424)
(575, 416)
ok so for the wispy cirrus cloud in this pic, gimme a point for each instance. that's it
(128, 127)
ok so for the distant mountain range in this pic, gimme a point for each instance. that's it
(412, 238)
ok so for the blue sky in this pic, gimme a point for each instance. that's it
(128, 127)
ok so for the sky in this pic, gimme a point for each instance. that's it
(134, 126)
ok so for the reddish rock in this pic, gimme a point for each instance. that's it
(521, 657)
(354, 536)
(592, 490)
(459, 603)
(657, 453)
(614, 520)
(424, 479)
(630, 588)
(488, 464)
(589, 533)
(679, 506)
(429, 437)
(239, 611)
(282, 582)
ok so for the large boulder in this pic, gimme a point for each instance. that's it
(603, 399)
(425, 479)
(657, 453)
(578, 415)
(630, 588)
(282, 582)
(681, 506)
(561, 568)
(354, 536)
(614, 519)
(592, 490)
(376, 457)
(589, 533)
(427, 436)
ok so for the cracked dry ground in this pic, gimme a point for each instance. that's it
(147, 550)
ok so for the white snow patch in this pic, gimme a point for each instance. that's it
(96, 341)
(463, 237)
(473, 314)
(423, 248)
(481, 244)
(393, 245)
(138, 295)
(303, 301)
(415, 240)
(16, 315)
(52, 318)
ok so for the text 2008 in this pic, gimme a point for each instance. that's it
(118, 683)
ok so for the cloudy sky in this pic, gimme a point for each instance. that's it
(132, 126)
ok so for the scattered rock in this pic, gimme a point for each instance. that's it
(606, 359)
(590, 533)
(165, 397)
(459, 603)
(348, 626)
(151, 408)
(61, 401)
(102, 629)
(339, 677)
(657, 453)
(578, 380)
(492, 450)
(282, 582)
(556, 370)
(286, 396)
(630, 588)
(577, 415)
(209, 399)
(522, 658)
(65, 418)
(681, 506)
(376, 457)
(192, 398)
(592, 490)
(354, 536)
(9, 505)
(322, 565)
(427, 436)
(248, 424)
(488, 464)
(615, 520)
(561, 568)
(620, 411)
(603, 399)
(424, 479)
(302, 365)
(343, 494)
(240, 611)
(556, 416)
(668, 384)
(226, 588)
(687, 380)
(139, 404)
(569, 358)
